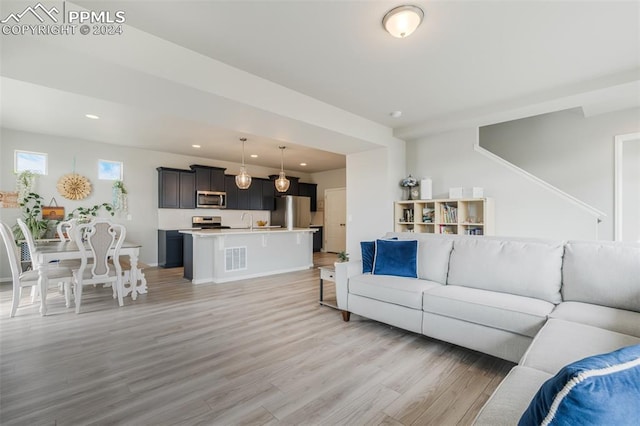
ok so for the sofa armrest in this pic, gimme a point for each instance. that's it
(344, 271)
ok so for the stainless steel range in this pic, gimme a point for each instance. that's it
(207, 222)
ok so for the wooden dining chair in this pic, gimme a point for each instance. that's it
(95, 241)
(29, 278)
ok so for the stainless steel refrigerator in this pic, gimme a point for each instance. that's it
(292, 212)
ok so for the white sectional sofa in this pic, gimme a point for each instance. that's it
(540, 303)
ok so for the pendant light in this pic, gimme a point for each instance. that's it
(282, 183)
(243, 180)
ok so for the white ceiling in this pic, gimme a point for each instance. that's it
(468, 59)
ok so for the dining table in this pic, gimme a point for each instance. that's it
(47, 252)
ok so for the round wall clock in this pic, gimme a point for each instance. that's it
(74, 186)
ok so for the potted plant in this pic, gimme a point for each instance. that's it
(31, 206)
(343, 256)
(411, 183)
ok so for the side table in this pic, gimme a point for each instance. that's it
(327, 273)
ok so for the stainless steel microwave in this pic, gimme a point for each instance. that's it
(211, 200)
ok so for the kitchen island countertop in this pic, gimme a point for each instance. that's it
(232, 231)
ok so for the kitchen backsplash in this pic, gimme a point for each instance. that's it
(181, 218)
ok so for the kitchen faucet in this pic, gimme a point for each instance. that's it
(250, 217)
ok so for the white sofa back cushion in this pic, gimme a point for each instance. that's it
(433, 254)
(602, 273)
(530, 268)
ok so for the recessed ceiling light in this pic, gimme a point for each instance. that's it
(303, 164)
(92, 116)
(254, 155)
(396, 114)
(196, 146)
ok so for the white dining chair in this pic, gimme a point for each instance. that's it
(64, 229)
(95, 241)
(59, 270)
(29, 278)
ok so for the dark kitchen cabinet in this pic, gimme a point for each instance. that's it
(209, 178)
(187, 256)
(176, 189)
(259, 196)
(255, 194)
(317, 239)
(268, 195)
(170, 244)
(187, 190)
(293, 185)
(309, 190)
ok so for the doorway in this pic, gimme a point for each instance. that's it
(627, 187)
(335, 220)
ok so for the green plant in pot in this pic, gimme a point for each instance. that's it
(343, 256)
(31, 206)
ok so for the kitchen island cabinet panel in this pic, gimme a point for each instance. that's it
(169, 248)
(224, 255)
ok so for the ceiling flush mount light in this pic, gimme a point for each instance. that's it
(92, 116)
(395, 114)
(401, 21)
(243, 180)
(282, 183)
(254, 155)
(303, 164)
(195, 146)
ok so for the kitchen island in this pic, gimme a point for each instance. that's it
(222, 255)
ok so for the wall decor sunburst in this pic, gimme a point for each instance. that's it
(74, 186)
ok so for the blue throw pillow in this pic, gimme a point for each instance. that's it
(599, 390)
(368, 249)
(399, 258)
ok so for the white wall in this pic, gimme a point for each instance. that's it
(522, 207)
(372, 187)
(568, 150)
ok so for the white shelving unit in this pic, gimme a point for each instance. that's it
(461, 216)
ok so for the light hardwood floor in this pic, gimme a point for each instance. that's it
(259, 351)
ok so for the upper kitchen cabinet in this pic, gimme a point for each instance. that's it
(309, 190)
(209, 178)
(176, 189)
(259, 196)
(293, 185)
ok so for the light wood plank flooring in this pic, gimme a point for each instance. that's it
(259, 351)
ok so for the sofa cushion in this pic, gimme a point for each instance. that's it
(396, 258)
(529, 268)
(433, 254)
(602, 389)
(397, 290)
(518, 314)
(562, 342)
(602, 273)
(368, 249)
(512, 397)
(618, 320)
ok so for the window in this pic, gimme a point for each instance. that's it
(27, 160)
(109, 170)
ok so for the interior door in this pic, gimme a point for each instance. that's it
(335, 220)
